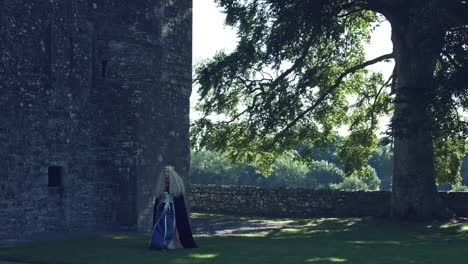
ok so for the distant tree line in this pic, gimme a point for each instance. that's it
(324, 170)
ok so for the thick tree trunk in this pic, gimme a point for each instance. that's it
(416, 46)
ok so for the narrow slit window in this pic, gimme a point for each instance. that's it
(55, 176)
(103, 68)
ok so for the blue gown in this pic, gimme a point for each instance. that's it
(163, 229)
(171, 210)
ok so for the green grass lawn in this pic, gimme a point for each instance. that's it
(321, 240)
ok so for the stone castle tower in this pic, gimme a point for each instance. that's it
(94, 101)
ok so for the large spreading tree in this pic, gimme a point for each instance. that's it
(298, 63)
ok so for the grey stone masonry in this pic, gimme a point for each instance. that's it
(297, 202)
(94, 101)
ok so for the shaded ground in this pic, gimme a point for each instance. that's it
(233, 239)
(203, 225)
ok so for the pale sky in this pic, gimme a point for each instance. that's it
(210, 35)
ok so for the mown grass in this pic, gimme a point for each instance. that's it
(321, 240)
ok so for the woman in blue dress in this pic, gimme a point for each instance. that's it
(171, 227)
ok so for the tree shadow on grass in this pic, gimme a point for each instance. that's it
(227, 240)
(347, 240)
(213, 227)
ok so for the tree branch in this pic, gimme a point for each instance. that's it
(351, 12)
(377, 97)
(385, 7)
(394, 80)
(329, 90)
(299, 62)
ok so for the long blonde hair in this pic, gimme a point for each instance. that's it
(176, 183)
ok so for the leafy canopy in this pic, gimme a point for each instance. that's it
(290, 79)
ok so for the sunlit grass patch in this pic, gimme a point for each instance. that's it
(256, 234)
(271, 221)
(291, 230)
(360, 242)
(464, 228)
(220, 216)
(459, 225)
(327, 260)
(119, 237)
(203, 256)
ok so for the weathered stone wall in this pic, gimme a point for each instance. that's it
(291, 202)
(168, 141)
(100, 88)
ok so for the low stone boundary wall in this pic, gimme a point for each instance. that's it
(298, 202)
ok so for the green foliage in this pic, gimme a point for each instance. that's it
(298, 62)
(448, 154)
(326, 152)
(247, 175)
(210, 167)
(356, 150)
(382, 160)
(450, 96)
(369, 176)
(288, 81)
(459, 188)
(350, 184)
(464, 170)
(287, 171)
(363, 179)
(322, 174)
